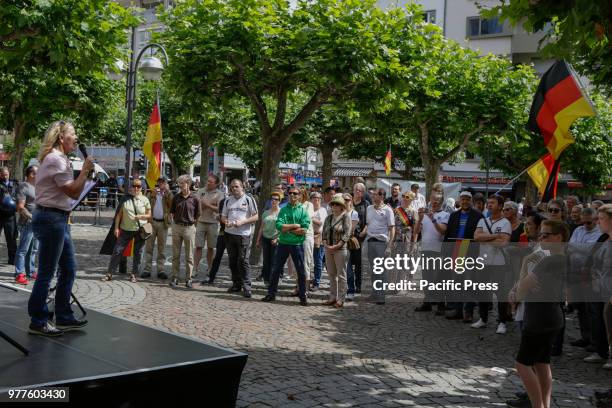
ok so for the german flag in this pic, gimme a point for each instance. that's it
(388, 162)
(129, 249)
(545, 173)
(558, 102)
(153, 146)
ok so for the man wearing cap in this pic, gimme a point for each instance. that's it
(419, 202)
(461, 225)
(161, 203)
(380, 233)
(292, 223)
(318, 219)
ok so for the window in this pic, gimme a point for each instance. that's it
(480, 27)
(429, 16)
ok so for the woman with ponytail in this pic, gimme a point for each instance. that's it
(56, 189)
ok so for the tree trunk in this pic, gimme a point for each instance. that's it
(205, 141)
(17, 164)
(272, 152)
(407, 174)
(327, 153)
(431, 176)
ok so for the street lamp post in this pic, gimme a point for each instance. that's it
(151, 69)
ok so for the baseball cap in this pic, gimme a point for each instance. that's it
(465, 194)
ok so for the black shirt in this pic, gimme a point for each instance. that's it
(516, 234)
(185, 210)
(392, 203)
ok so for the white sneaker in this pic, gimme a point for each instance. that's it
(593, 358)
(478, 325)
(608, 365)
(350, 297)
(501, 328)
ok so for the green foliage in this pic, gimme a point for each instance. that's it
(52, 59)
(578, 31)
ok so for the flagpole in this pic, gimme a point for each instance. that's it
(513, 180)
(161, 142)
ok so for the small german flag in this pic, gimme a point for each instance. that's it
(388, 162)
(558, 102)
(544, 173)
(129, 249)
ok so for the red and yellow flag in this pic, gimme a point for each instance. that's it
(388, 162)
(153, 146)
(129, 249)
(545, 173)
(558, 102)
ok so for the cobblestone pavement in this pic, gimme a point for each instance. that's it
(362, 355)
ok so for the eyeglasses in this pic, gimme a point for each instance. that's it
(294, 193)
(554, 210)
(380, 194)
(275, 199)
(136, 185)
(508, 209)
(407, 196)
(545, 234)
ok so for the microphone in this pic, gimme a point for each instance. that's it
(83, 150)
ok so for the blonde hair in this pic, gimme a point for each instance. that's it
(348, 199)
(304, 194)
(410, 194)
(51, 139)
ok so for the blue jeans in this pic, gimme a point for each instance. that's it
(56, 252)
(297, 256)
(269, 254)
(26, 252)
(318, 254)
(353, 271)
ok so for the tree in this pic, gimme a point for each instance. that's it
(454, 96)
(577, 30)
(266, 51)
(52, 56)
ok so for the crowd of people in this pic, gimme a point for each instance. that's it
(302, 232)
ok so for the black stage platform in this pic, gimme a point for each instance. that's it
(113, 362)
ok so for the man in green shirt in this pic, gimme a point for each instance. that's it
(292, 223)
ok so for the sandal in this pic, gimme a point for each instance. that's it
(108, 277)
(329, 302)
(338, 305)
(133, 278)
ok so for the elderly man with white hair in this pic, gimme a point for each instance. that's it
(185, 211)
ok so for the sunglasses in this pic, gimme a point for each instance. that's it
(554, 210)
(275, 199)
(507, 209)
(408, 197)
(136, 185)
(294, 193)
(380, 194)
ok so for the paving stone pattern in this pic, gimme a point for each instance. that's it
(363, 355)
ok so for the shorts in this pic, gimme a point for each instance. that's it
(535, 348)
(206, 235)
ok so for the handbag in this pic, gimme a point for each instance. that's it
(145, 230)
(353, 244)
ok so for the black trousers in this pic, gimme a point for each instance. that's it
(220, 250)
(238, 250)
(9, 225)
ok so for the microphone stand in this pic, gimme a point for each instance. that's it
(6, 337)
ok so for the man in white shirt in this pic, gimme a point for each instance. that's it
(161, 201)
(318, 219)
(580, 247)
(493, 232)
(239, 215)
(432, 225)
(419, 201)
(380, 231)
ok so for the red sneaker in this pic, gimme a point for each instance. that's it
(34, 276)
(21, 279)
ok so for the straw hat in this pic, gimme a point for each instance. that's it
(338, 199)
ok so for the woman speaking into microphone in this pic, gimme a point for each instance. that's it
(56, 188)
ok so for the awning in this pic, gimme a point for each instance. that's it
(354, 172)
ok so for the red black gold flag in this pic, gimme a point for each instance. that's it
(558, 102)
(545, 173)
